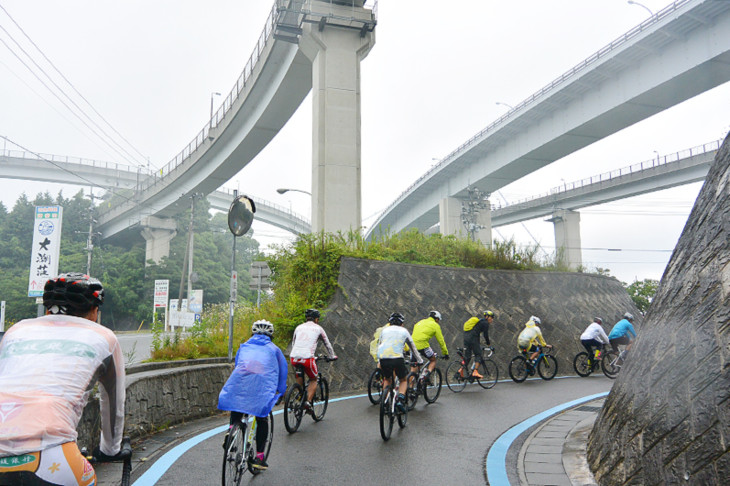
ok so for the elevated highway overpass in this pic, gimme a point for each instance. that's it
(678, 53)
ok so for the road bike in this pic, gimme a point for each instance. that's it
(459, 373)
(389, 411)
(124, 456)
(547, 366)
(296, 395)
(423, 383)
(612, 362)
(584, 364)
(375, 386)
(240, 449)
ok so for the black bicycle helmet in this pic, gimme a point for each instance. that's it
(72, 293)
(311, 314)
(397, 319)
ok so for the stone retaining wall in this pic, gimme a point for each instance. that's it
(667, 418)
(371, 290)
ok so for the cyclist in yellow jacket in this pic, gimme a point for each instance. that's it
(423, 331)
(530, 337)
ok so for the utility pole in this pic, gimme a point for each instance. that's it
(470, 211)
(90, 240)
(188, 259)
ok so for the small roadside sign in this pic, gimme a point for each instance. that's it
(162, 288)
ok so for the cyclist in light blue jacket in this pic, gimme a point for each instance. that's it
(257, 382)
(620, 332)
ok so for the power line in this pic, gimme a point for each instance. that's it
(65, 94)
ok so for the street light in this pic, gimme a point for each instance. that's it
(632, 2)
(505, 104)
(214, 93)
(283, 190)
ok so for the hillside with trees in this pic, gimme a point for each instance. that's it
(119, 261)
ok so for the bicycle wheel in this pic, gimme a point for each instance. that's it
(321, 399)
(611, 365)
(547, 367)
(293, 407)
(402, 418)
(490, 374)
(386, 415)
(454, 379)
(518, 369)
(412, 390)
(432, 386)
(580, 364)
(267, 446)
(233, 457)
(375, 386)
(126, 471)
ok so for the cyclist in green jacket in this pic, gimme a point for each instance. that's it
(423, 331)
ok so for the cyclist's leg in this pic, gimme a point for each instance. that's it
(430, 355)
(262, 433)
(475, 349)
(467, 356)
(387, 366)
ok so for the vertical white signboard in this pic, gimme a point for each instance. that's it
(2, 316)
(46, 247)
(161, 293)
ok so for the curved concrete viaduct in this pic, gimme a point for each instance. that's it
(678, 53)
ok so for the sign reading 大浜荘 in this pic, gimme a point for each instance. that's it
(46, 247)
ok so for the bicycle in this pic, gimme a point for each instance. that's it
(389, 411)
(459, 373)
(296, 395)
(584, 364)
(547, 366)
(240, 449)
(612, 362)
(124, 456)
(375, 386)
(423, 383)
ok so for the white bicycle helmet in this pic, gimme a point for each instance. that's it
(262, 327)
(435, 314)
(629, 316)
(536, 320)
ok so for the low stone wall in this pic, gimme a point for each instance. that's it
(160, 395)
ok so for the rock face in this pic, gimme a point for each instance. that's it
(667, 418)
(371, 290)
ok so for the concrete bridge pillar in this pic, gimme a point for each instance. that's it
(336, 44)
(567, 237)
(451, 222)
(158, 232)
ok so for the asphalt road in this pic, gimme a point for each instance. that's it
(135, 346)
(443, 443)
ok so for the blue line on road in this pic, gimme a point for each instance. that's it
(160, 467)
(497, 456)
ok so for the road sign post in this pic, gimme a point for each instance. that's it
(260, 273)
(162, 293)
(240, 219)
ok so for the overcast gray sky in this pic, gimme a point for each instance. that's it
(432, 80)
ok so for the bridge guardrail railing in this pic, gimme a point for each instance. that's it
(22, 154)
(668, 10)
(623, 171)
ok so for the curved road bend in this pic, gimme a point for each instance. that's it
(444, 443)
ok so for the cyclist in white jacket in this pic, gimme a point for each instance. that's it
(594, 337)
(304, 345)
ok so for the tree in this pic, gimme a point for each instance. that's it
(642, 293)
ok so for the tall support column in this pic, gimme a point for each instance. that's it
(336, 50)
(567, 237)
(158, 232)
(450, 217)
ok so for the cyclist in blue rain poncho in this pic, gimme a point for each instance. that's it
(256, 384)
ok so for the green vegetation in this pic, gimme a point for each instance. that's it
(305, 275)
(642, 293)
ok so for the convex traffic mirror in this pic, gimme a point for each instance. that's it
(240, 215)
